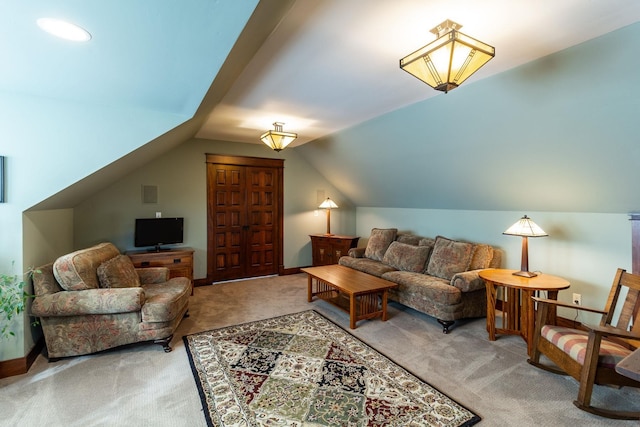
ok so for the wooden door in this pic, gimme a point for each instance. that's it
(244, 221)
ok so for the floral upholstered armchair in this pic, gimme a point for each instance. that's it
(94, 299)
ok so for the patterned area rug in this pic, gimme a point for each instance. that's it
(303, 370)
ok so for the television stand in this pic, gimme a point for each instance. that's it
(179, 261)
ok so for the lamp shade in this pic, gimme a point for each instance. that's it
(328, 204)
(525, 227)
(449, 60)
(276, 139)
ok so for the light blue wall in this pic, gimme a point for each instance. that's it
(557, 134)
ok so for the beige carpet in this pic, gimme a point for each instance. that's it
(141, 385)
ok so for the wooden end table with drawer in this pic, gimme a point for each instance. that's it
(328, 248)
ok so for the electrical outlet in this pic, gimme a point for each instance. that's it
(577, 299)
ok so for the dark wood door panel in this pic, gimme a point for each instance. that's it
(244, 217)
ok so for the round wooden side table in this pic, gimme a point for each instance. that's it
(517, 306)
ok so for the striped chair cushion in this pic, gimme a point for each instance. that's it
(574, 343)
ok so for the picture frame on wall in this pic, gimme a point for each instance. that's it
(1, 179)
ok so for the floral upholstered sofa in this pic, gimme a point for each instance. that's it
(438, 277)
(94, 299)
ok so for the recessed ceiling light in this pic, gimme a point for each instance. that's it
(64, 30)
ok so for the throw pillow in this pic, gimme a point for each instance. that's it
(449, 257)
(118, 272)
(427, 241)
(379, 241)
(409, 239)
(77, 271)
(481, 258)
(402, 256)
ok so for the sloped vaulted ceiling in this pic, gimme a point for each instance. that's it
(149, 65)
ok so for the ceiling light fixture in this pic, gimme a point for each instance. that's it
(449, 60)
(64, 30)
(276, 139)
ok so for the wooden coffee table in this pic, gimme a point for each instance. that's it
(361, 295)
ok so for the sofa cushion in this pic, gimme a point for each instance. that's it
(379, 241)
(165, 301)
(574, 343)
(78, 270)
(449, 257)
(407, 257)
(421, 288)
(118, 272)
(481, 258)
(366, 265)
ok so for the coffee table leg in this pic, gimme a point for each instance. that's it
(384, 305)
(352, 311)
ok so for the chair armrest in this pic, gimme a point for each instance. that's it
(610, 331)
(567, 305)
(89, 301)
(468, 281)
(357, 252)
(153, 275)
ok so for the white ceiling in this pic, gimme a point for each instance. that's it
(329, 64)
(332, 64)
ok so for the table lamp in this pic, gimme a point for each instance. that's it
(328, 204)
(525, 228)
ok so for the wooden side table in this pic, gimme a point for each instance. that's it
(327, 249)
(517, 306)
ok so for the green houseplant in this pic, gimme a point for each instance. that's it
(13, 300)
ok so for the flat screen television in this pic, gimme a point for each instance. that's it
(158, 231)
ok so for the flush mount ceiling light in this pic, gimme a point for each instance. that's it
(276, 139)
(449, 60)
(64, 30)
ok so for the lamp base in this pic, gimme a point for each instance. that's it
(525, 274)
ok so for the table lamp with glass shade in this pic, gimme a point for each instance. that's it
(328, 204)
(525, 228)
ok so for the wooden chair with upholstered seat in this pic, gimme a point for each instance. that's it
(590, 356)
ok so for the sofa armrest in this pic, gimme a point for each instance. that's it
(89, 301)
(153, 275)
(468, 281)
(357, 252)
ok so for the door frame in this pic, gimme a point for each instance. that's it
(277, 164)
